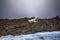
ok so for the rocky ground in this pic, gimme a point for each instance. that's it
(22, 26)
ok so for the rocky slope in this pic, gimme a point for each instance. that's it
(22, 26)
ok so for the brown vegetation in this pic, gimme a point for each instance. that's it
(22, 26)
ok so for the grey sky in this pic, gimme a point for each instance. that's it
(28, 8)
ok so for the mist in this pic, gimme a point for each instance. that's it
(28, 8)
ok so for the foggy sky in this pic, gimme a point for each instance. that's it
(28, 8)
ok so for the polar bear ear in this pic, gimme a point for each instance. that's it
(36, 17)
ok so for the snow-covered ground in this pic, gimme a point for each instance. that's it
(37, 36)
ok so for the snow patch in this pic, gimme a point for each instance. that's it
(37, 36)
